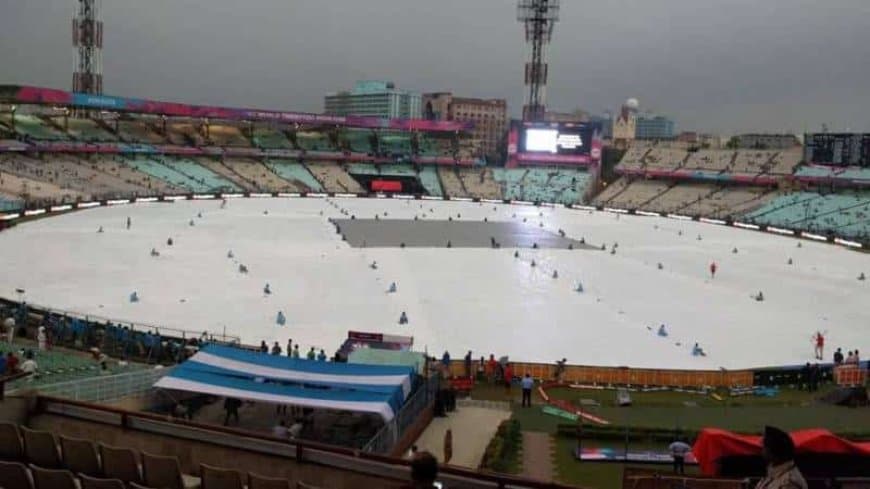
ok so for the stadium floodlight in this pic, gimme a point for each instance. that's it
(87, 40)
(539, 17)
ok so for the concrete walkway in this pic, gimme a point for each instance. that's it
(472, 427)
(537, 455)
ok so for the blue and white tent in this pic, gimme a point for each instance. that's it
(233, 372)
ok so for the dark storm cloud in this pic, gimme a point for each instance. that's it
(721, 65)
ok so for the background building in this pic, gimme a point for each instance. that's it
(651, 126)
(576, 116)
(376, 99)
(488, 115)
(624, 128)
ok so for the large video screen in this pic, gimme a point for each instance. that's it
(555, 138)
(840, 149)
(553, 143)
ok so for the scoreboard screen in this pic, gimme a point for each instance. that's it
(838, 149)
(556, 138)
(553, 143)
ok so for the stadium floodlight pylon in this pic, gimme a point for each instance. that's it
(539, 17)
(87, 41)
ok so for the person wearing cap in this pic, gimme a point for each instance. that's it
(778, 452)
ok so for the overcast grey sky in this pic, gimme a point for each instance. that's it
(713, 65)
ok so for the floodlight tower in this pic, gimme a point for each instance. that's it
(538, 17)
(87, 39)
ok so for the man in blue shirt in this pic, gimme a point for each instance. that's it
(527, 383)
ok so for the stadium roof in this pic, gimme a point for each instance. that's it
(23, 94)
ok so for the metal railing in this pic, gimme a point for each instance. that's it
(135, 326)
(102, 389)
(387, 437)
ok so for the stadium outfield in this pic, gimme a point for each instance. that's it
(54, 163)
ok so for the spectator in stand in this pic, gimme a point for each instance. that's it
(806, 371)
(321, 357)
(41, 338)
(264, 348)
(29, 365)
(508, 377)
(838, 356)
(289, 347)
(468, 364)
(296, 428)
(481, 369)
(11, 363)
(424, 471)
(231, 406)
(857, 357)
(850, 358)
(276, 349)
(9, 325)
(778, 452)
(296, 351)
(445, 362)
(527, 383)
(280, 430)
(679, 449)
(815, 376)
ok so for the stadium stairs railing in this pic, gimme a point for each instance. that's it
(386, 439)
(328, 456)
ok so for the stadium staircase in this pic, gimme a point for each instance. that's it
(296, 173)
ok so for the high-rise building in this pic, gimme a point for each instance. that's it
(654, 127)
(375, 99)
(488, 115)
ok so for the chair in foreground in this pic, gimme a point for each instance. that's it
(80, 456)
(41, 448)
(260, 482)
(165, 472)
(52, 478)
(11, 448)
(14, 476)
(217, 478)
(89, 482)
(120, 463)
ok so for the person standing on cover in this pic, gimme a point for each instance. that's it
(778, 452)
(468, 364)
(819, 340)
(679, 449)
